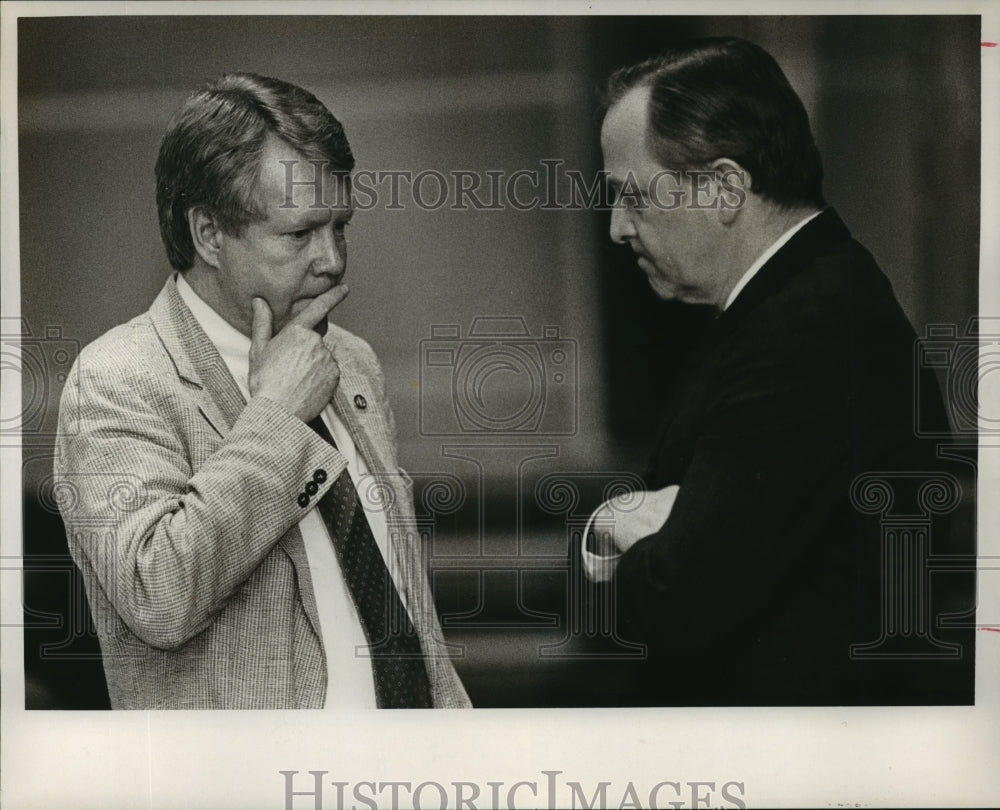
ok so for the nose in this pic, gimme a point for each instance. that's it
(330, 251)
(621, 228)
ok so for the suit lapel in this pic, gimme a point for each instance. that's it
(196, 359)
(220, 401)
(372, 438)
(366, 425)
(198, 363)
(361, 410)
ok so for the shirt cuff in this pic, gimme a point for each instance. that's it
(599, 568)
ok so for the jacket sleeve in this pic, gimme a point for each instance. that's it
(770, 463)
(170, 545)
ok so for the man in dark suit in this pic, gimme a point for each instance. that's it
(748, 573)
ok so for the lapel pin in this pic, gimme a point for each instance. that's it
(360, 402)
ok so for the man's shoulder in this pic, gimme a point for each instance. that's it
(124, 367)
(843, 284)
(133, 346)
(837, 305)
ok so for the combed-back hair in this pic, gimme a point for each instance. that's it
(211, 153)
(726, 97)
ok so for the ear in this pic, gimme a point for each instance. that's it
(205, 234)
(733, 188)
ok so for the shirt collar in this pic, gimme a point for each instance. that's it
(763, 258)
(232, 345)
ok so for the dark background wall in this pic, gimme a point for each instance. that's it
(895, 108)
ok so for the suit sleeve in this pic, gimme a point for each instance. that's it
(170, 545)
(770, 459)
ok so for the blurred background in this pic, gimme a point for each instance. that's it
(524, 354)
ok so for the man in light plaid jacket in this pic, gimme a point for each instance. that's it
(191, 481)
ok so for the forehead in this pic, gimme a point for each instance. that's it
(290, 182)
(623, 133)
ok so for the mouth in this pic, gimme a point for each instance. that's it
(306, 299)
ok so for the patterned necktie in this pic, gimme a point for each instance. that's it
(397, 660)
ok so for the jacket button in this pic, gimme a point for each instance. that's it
(360, 402)
(319, 476)
(303, 500)
(312, 488)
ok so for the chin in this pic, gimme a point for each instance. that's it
(664, 291)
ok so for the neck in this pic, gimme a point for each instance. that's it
(203, 281)
(755, 230)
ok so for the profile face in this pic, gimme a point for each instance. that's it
(676, 243)
(298, 251)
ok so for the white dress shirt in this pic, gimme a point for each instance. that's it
(601, 568)
(350, 680)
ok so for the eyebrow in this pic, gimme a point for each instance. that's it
(314, 217)
(628, 184)
(308, 217)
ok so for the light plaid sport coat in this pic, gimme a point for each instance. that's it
(181, 508)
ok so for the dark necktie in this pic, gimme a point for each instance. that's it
(397, 660)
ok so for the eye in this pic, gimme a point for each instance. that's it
(621, 197)
(632, 201)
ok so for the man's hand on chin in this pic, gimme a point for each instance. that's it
(294, 367)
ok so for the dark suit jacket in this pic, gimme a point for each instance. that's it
(765, 575)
